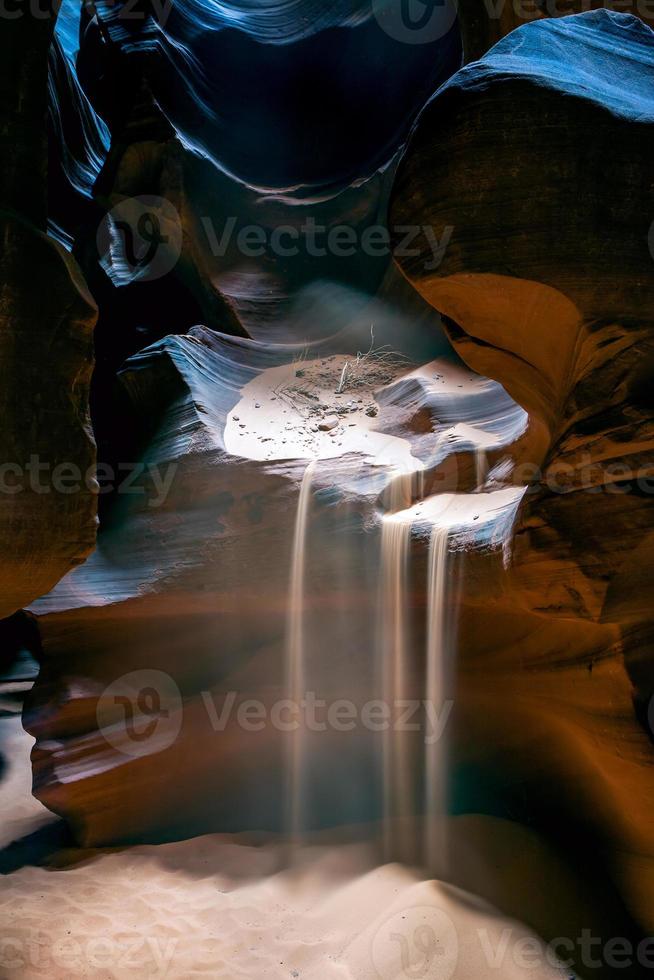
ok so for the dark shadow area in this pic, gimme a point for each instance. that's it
(575, 844)
(19, 648)
(36, 849)
(328, 108)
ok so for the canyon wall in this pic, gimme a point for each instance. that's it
(47, 317)
(485, 22)
(538, 157)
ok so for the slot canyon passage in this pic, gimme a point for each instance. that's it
(327, 615)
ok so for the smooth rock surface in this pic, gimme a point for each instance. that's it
(547, 287)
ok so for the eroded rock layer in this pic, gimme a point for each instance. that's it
(191, 578)
(533, 168)
(538, 158)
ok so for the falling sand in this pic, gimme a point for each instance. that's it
(394, 647)
(233, 908)
(295, 659)
(435, 843)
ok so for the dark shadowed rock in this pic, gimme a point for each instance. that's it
(46, 320)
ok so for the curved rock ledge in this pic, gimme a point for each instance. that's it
(204, 566)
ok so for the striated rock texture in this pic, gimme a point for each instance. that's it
(485, 23)
(191, 577)
(339, 88)
(46, 322)
(238, 115)
(535, 165)
(77, 147)
(247, 133)
(187, 115)
(539, 156)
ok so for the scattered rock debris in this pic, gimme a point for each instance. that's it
(314, 399)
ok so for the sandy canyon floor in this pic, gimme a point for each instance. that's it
(228, 908)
